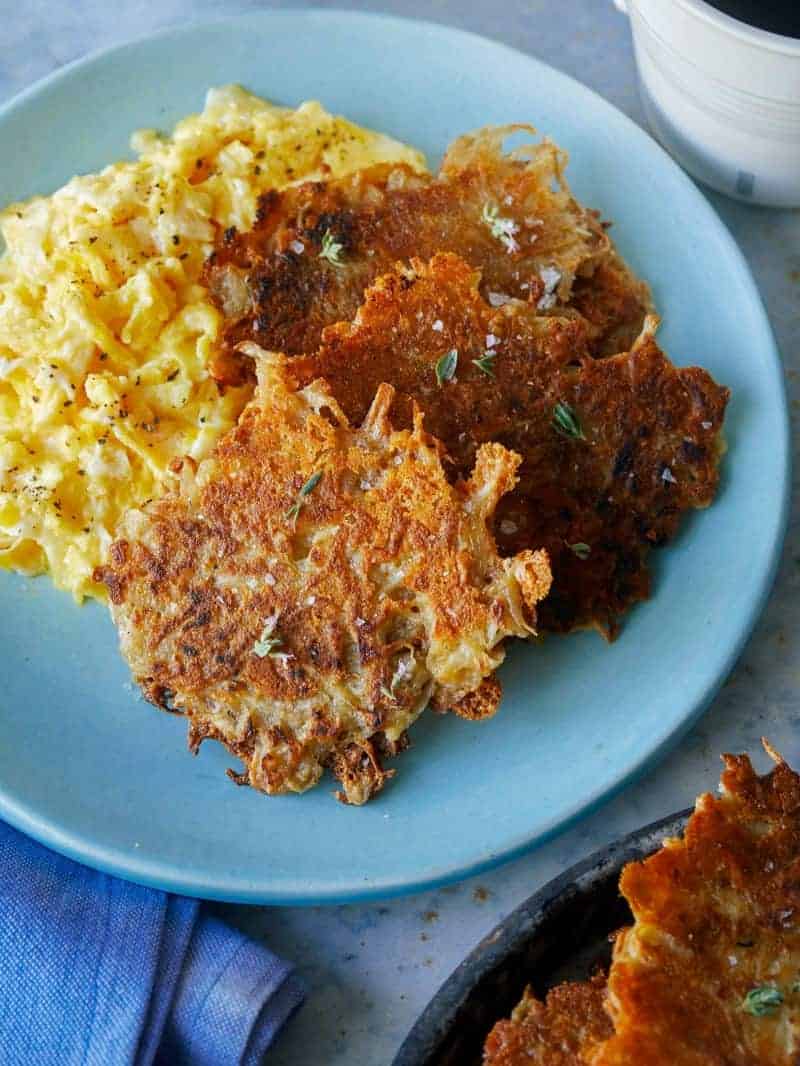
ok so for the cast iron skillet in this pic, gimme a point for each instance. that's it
(561, 933)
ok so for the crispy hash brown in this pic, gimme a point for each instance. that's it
(708, 974)
(553, 1032)
(315, 248)
(644, 446)
(614, 303)
(313, 587)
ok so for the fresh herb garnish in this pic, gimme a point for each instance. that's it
(763, 1000)
(269, 642)
(446, 366)
(331, 249)
(565, 422)
(503, 229)
(486, 363)
(583, 551)
(306, 490)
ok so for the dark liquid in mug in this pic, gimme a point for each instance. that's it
(777, 16)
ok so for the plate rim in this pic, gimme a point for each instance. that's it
(166, 875)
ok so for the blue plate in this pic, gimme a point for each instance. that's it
(89, 769)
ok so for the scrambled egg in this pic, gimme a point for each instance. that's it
(106, 331)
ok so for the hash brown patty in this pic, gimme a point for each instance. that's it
(707, 975)
(316, 247)
(312, 587)
(644, 449)
(553, 1032)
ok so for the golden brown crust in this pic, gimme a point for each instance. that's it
(717, 914)
(312, 586)
(708, 975)
(359, 769)
(555, 1032)
(276, 288)
(480, 704)
(652, 431)
(614, 303)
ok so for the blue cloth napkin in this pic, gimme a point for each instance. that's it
(99, 972)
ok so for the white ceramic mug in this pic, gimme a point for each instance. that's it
(722, 97)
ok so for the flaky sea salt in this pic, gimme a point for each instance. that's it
(498, 299)
(550, 278)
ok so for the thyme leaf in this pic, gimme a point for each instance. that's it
(582, 550)
(565, 422)
(762, 1000)
(486, 364)
(502, 229)
(269, 642)
(331, 249)
(305, 491)
(446, 367)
